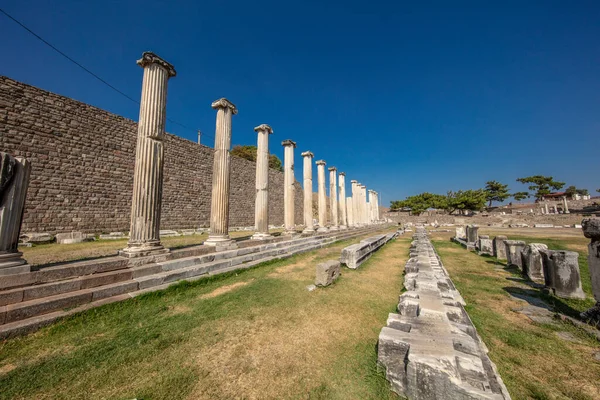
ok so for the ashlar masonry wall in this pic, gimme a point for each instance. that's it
(82, 168)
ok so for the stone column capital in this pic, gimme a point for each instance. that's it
(321, 162)
(342, 174)
(224, 103)
(354, 181)
(264, 128)
(149, 57)
(288, 142)
(332, 169)
(307, 154)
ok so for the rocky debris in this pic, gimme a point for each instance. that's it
(37, 238)
(430, 349)
(327, 272)
(533, 262)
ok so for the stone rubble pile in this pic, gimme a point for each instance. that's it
(430, 348)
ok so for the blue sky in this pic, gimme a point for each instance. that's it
(404, 97)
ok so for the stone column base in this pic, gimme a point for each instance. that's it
(334, 228)
(12, 263)
(144, 250)
(261, 236)
(343, 227)
(309, 230)
(290, 233)
(223, 242)
(323, 229)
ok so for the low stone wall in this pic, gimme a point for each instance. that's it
(430, 349)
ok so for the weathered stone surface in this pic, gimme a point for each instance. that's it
(486, 246)
(513, 252)
(472, 233)
(71, 237)
(591, 229)
(354, 255)
(430, 350)
(327, 272)
(37, 238)
(460, 232)
(533, 262)
(500, 247)
(561, 273)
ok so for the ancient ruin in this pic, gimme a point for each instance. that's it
(591, 230)
(261, 209)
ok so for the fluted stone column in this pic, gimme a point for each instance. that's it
(261, 206)
(144, 233)
(546, 208)
(322, 196)
(350, 212)
(288, 186)
(566, 210)
(219, 206)
(363, 193)
(355, 201)
(342, 202)
(308, 192)
(14, 181)
(377, 206)
(333, 201)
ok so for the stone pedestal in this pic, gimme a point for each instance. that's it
(533, 261)
(288, 187)
(322, 196)
(14, 181)
(146, 204)
(561, 273)
(342, 203)
(500, 247)
(261, 205)
(333, 202)
(485, 246)
(513, 252)
(219, 207)
(460, 232)
(472, 233)
(308, 192)
(591, 230)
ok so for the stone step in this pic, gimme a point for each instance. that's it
(59, 299)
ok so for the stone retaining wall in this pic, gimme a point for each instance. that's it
(82, 168)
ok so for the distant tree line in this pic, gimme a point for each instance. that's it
(476, 200)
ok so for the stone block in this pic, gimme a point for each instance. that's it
(23, 310)
(71, 237)
(460, 232)
(37, 238)
(500, 247)
(472, 235)
(486, 246)
(327, 272)
(533, 262)
(50, 289)
(513, 252)
(113, 236)
(561, 273)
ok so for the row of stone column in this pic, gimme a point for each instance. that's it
(148, 178)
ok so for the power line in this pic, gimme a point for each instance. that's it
(84, 68)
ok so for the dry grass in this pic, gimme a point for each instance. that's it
(257, 334)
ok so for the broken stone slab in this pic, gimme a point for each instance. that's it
(168, 233)
(561, 273)
(354, 255)
(327, 272)
(71, 237)
(513, 252)
(113, 236)
(37, 238)
(533, 262)
(500, 247)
